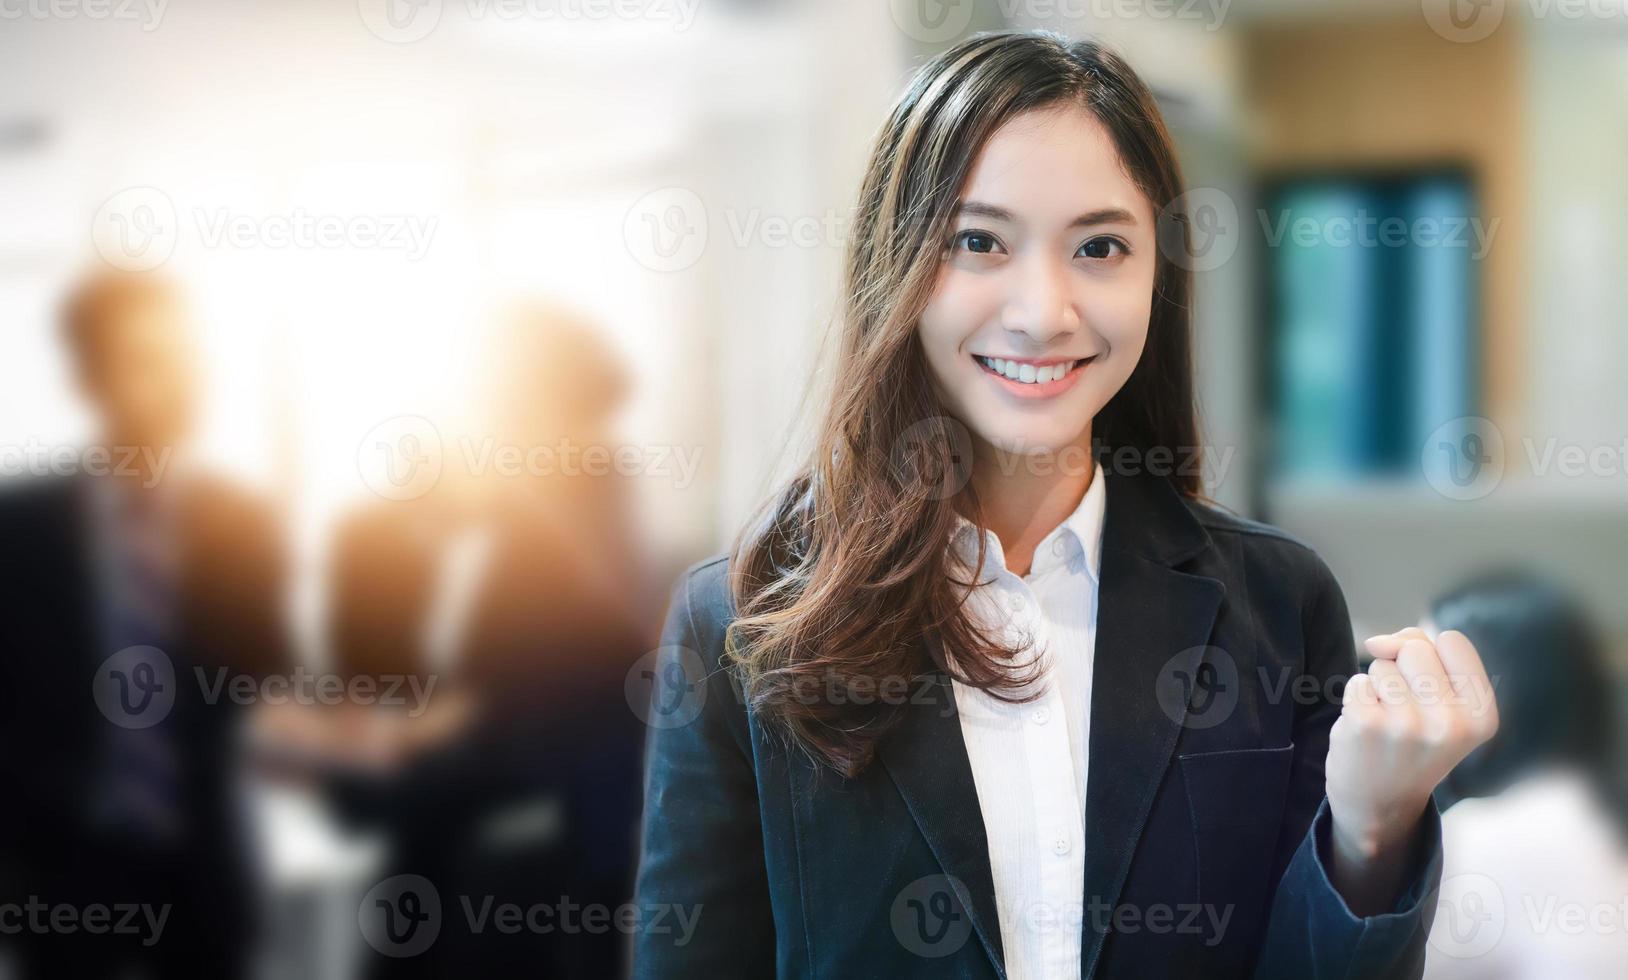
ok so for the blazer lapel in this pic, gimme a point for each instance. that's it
(1152, 620)
(927, 760)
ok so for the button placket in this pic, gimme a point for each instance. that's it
(1041, 740)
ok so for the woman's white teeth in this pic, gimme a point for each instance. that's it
(1026, 373)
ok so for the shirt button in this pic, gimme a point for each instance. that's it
(1041, 715)
(1058, 547)
(1061, 846)
(1016, 602)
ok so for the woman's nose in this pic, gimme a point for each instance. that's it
(1041, 304)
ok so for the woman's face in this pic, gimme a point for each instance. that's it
(1041, 307)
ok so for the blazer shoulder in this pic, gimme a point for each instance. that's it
(698, 619)
(704, 587)
(1266, 542)
(1253, 535)
(704, 604)
(1219, 521)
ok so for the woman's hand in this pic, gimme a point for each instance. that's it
(1418, 711)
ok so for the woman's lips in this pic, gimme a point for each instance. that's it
(999, 369)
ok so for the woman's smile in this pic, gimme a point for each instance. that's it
(1033, 377)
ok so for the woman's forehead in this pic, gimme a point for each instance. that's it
(1050, 165)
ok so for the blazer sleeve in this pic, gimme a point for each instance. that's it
(701, 857)
(1312, 932)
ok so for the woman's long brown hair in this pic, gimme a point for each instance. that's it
(846, 575)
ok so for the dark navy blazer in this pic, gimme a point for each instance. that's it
(1221, 648)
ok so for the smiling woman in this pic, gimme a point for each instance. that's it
(991, 696)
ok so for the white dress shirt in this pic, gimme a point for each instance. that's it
(1029, 760)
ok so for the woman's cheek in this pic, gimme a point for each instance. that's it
(1120, 316)
(971, 300)
(960, 305)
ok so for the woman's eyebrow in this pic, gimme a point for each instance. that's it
(1104, 216)
(981, 210)
(1101, 216)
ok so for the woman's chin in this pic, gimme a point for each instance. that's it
(1030, 445)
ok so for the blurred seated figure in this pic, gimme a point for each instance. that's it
(1535, 822)
(132, 587)
(521, 597)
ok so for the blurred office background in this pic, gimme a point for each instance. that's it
(361, 200)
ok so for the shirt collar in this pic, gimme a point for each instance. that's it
(1076, 542)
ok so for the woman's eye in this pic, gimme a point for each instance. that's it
(1103, 248)
(978, 242)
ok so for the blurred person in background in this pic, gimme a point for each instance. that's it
(132, 587)
(1536, 820)
(522, 595)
